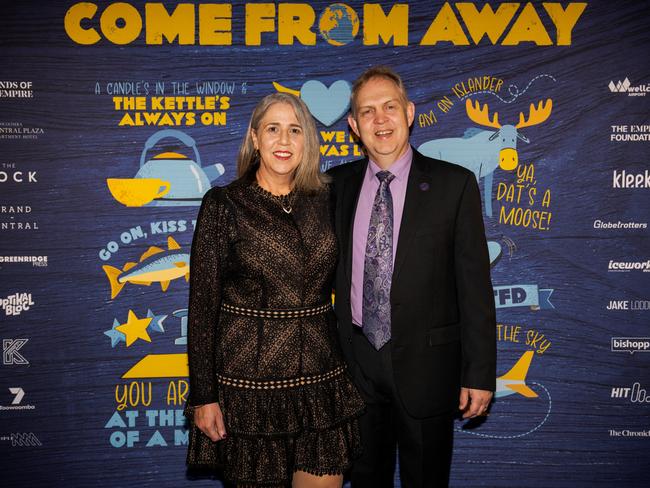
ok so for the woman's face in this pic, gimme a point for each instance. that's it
(280, 141)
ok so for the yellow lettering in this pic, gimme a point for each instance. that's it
(564, 20)
(160, 23)
(377, 24)
(528, 28)
(486, 21)
(445, 27)
(215, 24)
(72, 23)
(295, 21)
(131, 29)
(260, 17)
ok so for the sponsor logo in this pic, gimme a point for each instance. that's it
(16, 89)
(634, 394)
(16, 130)
(629, 433)
(22, 439)
(627, 266)
(17, 303)
(16, 403)
(631, 344)
(38, 261)
(630, 133)
(9, 214)
(626, 87)
(628, 305)
(11, 354)
(9, 173)
(606, 225)
(623, 179)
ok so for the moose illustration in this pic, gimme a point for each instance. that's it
(481, 151)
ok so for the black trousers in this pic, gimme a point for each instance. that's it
(424, 446)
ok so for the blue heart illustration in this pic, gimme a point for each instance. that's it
(327, 105)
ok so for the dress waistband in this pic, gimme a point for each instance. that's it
(276, 313)
(278, 384)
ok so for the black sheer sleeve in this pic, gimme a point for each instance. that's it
(209, 252)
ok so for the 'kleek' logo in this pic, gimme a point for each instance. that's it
(626, 87)
(627, 266)
(623, 179)
(17, 303)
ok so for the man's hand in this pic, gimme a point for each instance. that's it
(209, 420)
(474, 402)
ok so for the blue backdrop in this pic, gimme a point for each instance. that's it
(93, 377)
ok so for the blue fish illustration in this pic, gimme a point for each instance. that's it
(155, 265)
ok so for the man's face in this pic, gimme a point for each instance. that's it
(382, 120)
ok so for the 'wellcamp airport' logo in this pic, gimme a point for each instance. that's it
(631, 344)
(626, 87)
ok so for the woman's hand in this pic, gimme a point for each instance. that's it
(209, 419)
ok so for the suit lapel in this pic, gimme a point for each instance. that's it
(349, 201)
(417, 187)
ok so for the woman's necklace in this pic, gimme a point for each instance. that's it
(286, 201)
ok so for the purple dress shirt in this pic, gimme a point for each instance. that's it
(400, 169)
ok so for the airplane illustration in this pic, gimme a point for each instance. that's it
(514, 381)
(155, 265)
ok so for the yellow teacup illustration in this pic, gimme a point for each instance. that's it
(136, 192)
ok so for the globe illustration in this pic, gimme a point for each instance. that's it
(339, 24)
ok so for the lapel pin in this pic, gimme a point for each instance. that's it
(424, 186)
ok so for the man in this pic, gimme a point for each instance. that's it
(413, 293)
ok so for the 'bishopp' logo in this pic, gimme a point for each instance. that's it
(10, 354)
(626, 87)
(631, 344)
(622, 179)
(17, 303)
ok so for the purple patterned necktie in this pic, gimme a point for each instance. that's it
(378, 265)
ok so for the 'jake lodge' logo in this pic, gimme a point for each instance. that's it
(338, 24)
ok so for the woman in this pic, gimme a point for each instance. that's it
(270, 401)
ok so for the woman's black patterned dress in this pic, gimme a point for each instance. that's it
(288, 403)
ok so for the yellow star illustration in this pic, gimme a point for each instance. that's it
(135, 328)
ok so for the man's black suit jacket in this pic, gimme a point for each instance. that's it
(443, 317)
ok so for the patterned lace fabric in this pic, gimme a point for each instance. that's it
(249, 252)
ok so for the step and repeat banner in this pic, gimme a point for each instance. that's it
(116, 117)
